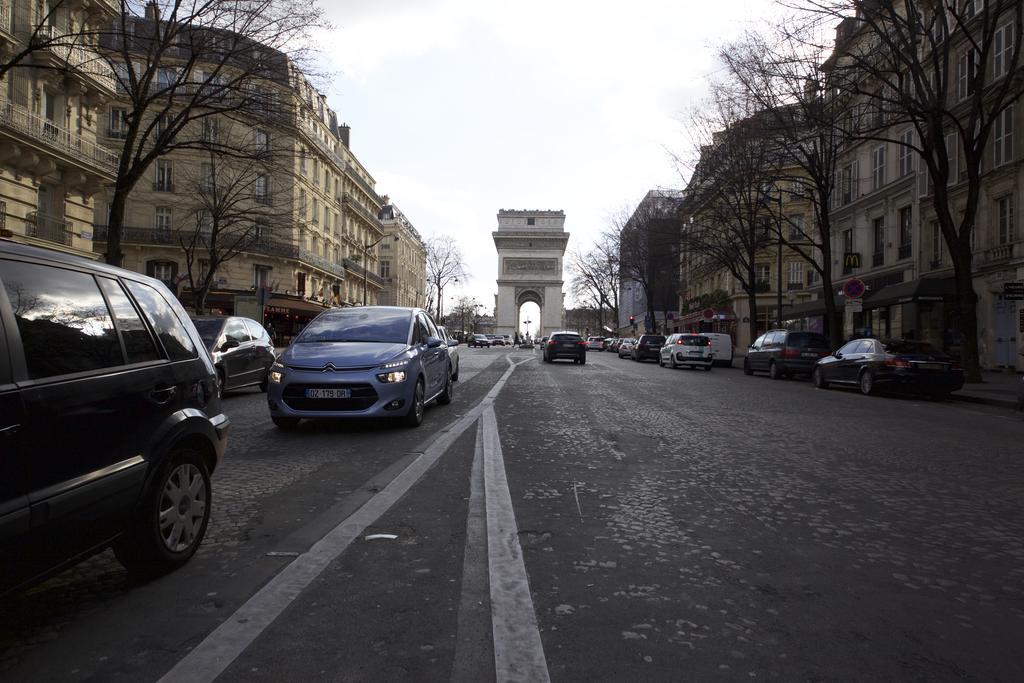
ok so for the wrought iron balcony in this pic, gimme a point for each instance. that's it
(35, 128)
(322, 263)
(50, 228)
(794, 286)
(905, 251)
(78, 58)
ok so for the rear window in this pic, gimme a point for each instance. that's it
(209, 330)
(652, 339)
(807, 340)
(903, 346)
(694, 340)
(566, 337)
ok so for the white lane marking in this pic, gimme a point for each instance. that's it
(224, 645)
(518, 651)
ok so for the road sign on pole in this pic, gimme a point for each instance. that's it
(854, 288)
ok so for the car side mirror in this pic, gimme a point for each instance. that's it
(433, 342)
(453, 342)
(229, 344)
(837, 354)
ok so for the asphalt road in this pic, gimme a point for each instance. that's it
(612, 521)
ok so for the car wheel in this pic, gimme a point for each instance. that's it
(747, 370)
(583, 361)
(414, 418)
(819, 379)
(455, 375)
(866, 383)
(661, 361)
(265, 383)
(285, 422)
(172, 518)
(774, 372)
(449, 391)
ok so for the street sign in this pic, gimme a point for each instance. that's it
(855, 305)
(709, 313)
(854, 288)
(1013, 287)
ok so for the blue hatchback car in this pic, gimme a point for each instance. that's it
(371, 361)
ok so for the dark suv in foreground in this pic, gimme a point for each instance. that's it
(110, 424)
(566, 345)
(648, 346)
(785, 352)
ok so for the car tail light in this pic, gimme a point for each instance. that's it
(679, 341)
(583, 343)
(551, 343)
(898, 363)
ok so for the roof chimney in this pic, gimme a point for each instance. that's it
(152, 11)
(343, 132)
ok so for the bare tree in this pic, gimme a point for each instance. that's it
(229, 205)
(445, 265)
(595, 276)
(182, 63)
(950, 72)
(54, 28)
(778, 69)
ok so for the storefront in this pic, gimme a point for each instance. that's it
(922, 309)
(720, 320)
(288, 316)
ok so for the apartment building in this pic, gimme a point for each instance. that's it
(305, 210)
(403, 259)
(51, 166)
(649, 263)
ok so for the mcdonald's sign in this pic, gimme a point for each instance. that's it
(851, 259)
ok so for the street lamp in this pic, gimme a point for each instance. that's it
(440, 298)
(526, 327)
(366, 257)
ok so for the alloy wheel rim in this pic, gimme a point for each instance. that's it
(182, 507)
(419, 401)
(865, 382)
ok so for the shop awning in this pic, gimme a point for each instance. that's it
(718, 314)
(925, 289)
(296, 305)
(810, 308)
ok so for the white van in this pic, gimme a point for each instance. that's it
(721, 345)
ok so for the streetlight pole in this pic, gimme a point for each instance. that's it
(778, 302)
(366, 257)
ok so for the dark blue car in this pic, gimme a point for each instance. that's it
(371, 361)
(875, 365)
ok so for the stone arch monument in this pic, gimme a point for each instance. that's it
(530, 247)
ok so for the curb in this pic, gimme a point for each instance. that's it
(999, 402)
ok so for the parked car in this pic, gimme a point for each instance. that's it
(565, 345)
(721, 345)
(781, 353)
(606, 345)
(876, 365)
(496, 339)
(625, 349)
(241, 349)
(370, 361)
(110, 422)
(479, 340)
(526, 344)
(453, 350)
(648, 346)
(613, 345)
(689, 350)
(595, 343)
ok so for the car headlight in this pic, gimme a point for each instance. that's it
(394, 364)
(276, 373)
(392, 377)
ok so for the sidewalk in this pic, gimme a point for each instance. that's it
(997, 389)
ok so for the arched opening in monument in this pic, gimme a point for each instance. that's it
(529, 319)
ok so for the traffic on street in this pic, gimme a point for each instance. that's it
(606, 520)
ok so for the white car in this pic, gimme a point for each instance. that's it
(689, 349)
(453, 350)
(721, 345)
(595, 343)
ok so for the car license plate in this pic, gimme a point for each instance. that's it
(328, 393)
(696, 353)
(811, 355)
(930, 366)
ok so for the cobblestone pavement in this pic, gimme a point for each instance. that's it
(675, 525)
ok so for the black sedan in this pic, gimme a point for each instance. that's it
(566, 345)
(241, 349)
(904, 365)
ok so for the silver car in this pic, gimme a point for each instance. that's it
(453, 350)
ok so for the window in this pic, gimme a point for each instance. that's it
(209, 129)
(530, 221)
(302, 161)
(261, 191)
(1002, 50)
(906, 153)
(936, 245)
(878, 240)
(164, 176)
(162, 220)
(849, 182)
(63, 320)
(262, 141)
(164, 318)
(117, 125)
(261, 276)
(385, 268)
(235, 330)
(303, 209)
(952, 149)
(206, 183)
(764, 275)
(1003, 137)
(796, 275)
(327, 218)
(1007, 229)
(966, 69)
(796, 227)
(138, 343)
(316, 210)
(300, 283)
(316, 171)
(848, 240)
(166, 77)
(906, 232)
(878, 167)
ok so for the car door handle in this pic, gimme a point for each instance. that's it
(163, 395)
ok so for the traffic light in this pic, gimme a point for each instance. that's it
(632, 319)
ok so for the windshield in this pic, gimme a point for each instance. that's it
(209, 329)
(807, 340)
(358, 325)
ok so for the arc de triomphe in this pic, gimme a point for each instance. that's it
(530, 247)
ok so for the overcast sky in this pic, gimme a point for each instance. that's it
(460, 108)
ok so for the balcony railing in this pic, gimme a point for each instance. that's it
(793, 286)
(1003, 252)
(371, 276)
(76, 56)
(322, 263)
(348, 200)
(762, 286)
(905, 251)
(163, 186)
(17, 118)
(878, 259)
(50, 228)
(5, 18)
(351, 173)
